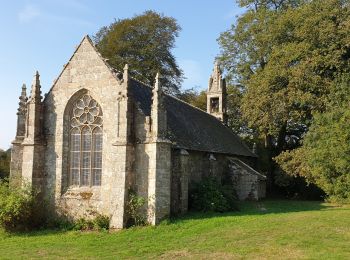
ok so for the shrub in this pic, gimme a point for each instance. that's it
(133, 208)
(98, 223)
(5, 159)
(101, 222)
(60, 223)
(18, 207)
(210, 195)
(230, 195)
(83, 224)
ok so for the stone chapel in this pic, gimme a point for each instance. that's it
(99, 133)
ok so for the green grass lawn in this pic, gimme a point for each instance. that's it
(270, 229)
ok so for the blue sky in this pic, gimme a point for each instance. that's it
(41, 35)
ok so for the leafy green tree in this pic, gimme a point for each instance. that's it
(324, 157)
(144, 42)
(5, 159)
(286, 54)
(234, 113)
(195, 98)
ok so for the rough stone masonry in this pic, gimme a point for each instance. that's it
(98, 134)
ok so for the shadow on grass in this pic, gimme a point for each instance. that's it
(262, 207)
(32, 233)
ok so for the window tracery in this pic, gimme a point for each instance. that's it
(86, 139)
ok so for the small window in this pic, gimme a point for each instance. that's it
(86, 143)
(214, 105)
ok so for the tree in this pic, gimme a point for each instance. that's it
(5, 159)
(195, 98)
(323, 158)
(286, 54)
(234, 113)
(144, 42)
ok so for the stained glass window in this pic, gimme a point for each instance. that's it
(86, 137)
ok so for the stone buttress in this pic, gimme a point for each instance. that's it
(17, 147)
(125, 147)
(159, 171)
(33, 143)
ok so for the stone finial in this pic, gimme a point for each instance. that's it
(24, 91)
(215, 81)
(126, 73)
(157, 92)
(157, 86)
(22, 101)
(158, 112)
(35, 96)
(217, 68)
(21, 115)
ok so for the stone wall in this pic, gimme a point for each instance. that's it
(152, 166)
(190, 167)
(134, 154)
(249, 183)
(179, 181)
(32, 165)
(86, 72)
(16, 160)
(246, 184)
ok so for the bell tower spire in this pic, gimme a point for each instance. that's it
(216, 95)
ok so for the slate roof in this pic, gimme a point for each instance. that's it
(191, 128)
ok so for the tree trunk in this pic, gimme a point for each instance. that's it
(281, 139)
(274, 150)
(270, 166)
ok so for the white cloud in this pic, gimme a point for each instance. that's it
(192, 72)
(29, 13)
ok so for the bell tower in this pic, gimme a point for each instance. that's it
(216, 95)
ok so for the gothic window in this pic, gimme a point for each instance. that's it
(214, 105)
(86, 143)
